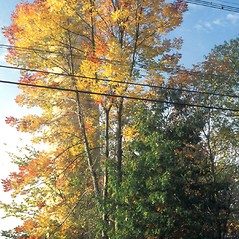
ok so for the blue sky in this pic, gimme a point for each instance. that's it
(202, 29)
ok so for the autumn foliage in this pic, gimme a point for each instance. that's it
(117, 151)
(88, 64)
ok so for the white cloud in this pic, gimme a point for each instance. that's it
(233, 18)
(198, 27)
(203, 26)
(218, 22)
(224, 22)
(208, 25)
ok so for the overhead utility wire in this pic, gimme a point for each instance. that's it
(117, 81)
(141, 66)
(120, 82)
(7, 46)
(214, 5)
(37, 50)
(232, 3)
(120, 96)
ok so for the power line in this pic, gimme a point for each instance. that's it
(122, 82)
(231, 3)
(121, 96)
(37, 50)
(214, 5)
(117, 81)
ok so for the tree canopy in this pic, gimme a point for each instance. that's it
(131, 150)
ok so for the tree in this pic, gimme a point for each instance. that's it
(89, 46)
(218, 75)
(169, 188)
(205, 86)
(164, 188)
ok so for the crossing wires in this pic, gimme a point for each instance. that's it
(214, 5)
(129, 97)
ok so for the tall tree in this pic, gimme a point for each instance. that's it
(170, 188)
(100, 47)
(164, 188)
(218, 75)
